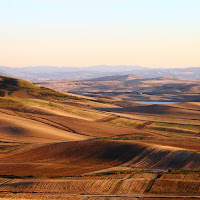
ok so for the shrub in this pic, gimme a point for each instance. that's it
(170, 170)
(2, 93)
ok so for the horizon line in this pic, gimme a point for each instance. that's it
(99, 65)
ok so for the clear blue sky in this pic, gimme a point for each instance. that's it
(154, 33)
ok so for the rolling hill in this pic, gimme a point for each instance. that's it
(75, 158)
(51, 140)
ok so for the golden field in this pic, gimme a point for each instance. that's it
(61, 146)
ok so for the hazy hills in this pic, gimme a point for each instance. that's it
(117, 78)
(80, 73)
(44, 69)
(132, 88)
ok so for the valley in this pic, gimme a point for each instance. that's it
(129, 88)
(60, 145)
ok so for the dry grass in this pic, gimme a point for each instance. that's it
(65, 137)
(25, 196)
(125, 122)
(48, 107)
(172, 187)
(167, 184)
(26, 130)
(105, 186)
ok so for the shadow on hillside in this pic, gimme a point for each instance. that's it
(151, 109)
(9, 81)
(13, 130)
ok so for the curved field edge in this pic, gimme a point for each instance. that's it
(73, 158)
(143, 183)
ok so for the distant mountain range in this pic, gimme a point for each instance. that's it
(80, 73)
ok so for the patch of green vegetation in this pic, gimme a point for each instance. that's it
(170, 131)
(112, 173)
(21, 104)
(9, 103)
(10, 84)
(124, 123)
(129, 138)
(27, 85)
(170, 170)
(49, 93)
(173, 130)
(119, 172)
(56, 95)
(17, 104)
(83, 112)
(2, 93)
(36, 102)
(13, 84)
(187, 127)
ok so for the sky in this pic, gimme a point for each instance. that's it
(78, 33)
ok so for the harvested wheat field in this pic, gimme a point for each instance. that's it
(146, 185)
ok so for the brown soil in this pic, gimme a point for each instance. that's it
(72, 158)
